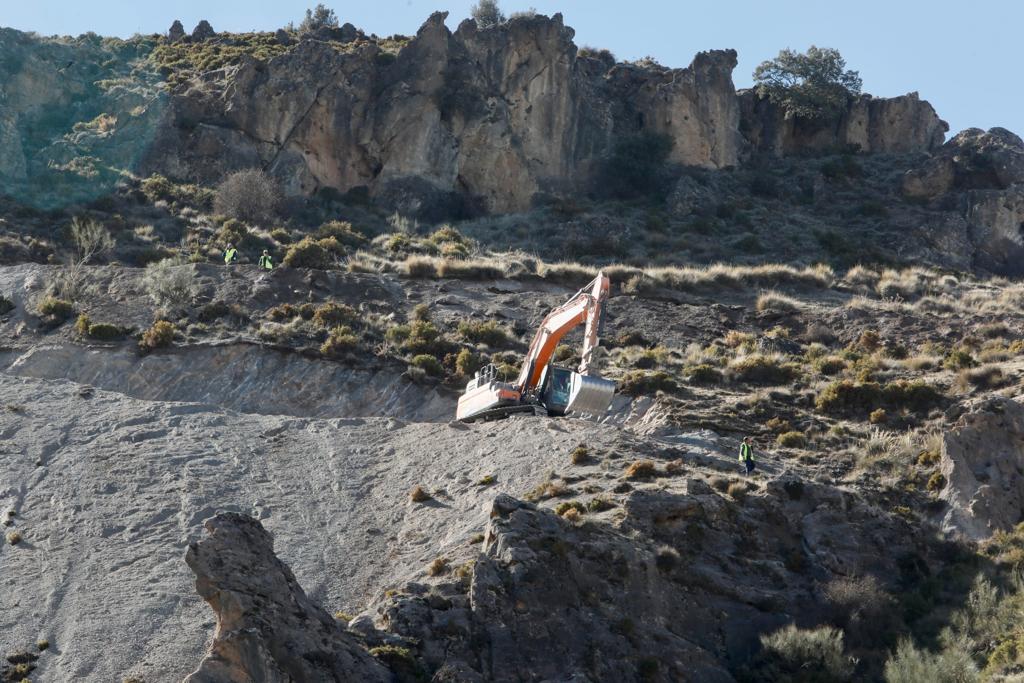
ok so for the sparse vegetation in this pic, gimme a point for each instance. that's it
(641, 469)
(249, 195)
(170, 284)
(419, 495)
(579, 455)
(159, 336)
(792, 439)
(13, 537)
(794, 654)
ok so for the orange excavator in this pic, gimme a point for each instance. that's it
(541, 385)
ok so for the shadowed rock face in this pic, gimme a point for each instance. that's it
(983, 172)
(267, 629)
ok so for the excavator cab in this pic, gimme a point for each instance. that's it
(564, 391)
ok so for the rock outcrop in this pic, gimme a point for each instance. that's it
(972, 160)
(267, 628)
(983, 466)
(475, 119)
(986, 171)
(896, 125)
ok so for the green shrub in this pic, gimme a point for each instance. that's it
(428, 364)
(281, 236)
(233, 232)
(282, 312)
(58, 309)
(793, 439)
(106, 331)
(936, 482)
(952, 664)
(959, 359)
(860, 399)
(761, 369)
(161, 334)
(421, 336)
(878, 416)
(641, 382)
(340, 341)
(308, 253)
(82, 325)
(829, 365)
(341, 231)
(703, 374)
(489, 333)
(331, 314)
(6, 305)
(804, 655)
(467, 363)
(564, 507)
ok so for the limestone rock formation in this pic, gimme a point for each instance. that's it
(267, 629)
(482, 118)
(895, 125)
(983, 463)
(203, 31)
(988, 169)
(176, 32)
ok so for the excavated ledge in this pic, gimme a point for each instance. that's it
(242, 377)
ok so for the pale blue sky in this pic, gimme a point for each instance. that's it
(965, 58)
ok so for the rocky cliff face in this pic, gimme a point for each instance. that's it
(896, 125)
(476, 119)
(442, 124)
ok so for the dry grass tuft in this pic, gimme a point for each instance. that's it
(641, 469)
(419, 495)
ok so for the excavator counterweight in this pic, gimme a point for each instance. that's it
(541, 385)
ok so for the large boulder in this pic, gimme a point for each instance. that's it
(267, 629)
(983, 465)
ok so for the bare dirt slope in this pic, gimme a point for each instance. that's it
(108, 491)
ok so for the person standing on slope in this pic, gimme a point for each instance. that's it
(747, 454)
(266, 263)
(230, 255)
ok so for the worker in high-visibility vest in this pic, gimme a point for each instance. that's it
(747, 454)
(230, 255)
(266, 263)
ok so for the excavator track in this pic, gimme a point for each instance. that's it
(500, 413)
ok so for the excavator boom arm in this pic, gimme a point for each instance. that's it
(585, 306)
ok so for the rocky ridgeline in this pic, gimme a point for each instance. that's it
(476, 119)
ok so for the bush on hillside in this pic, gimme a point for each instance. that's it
(249, 195)
(793, 654)
(343, 232)
(340, 341)
(488, 332)
(170, 284)
(308, 253)
(160, 335)
(320, 16)
(57, 309)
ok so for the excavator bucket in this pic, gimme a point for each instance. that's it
(590, 395)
